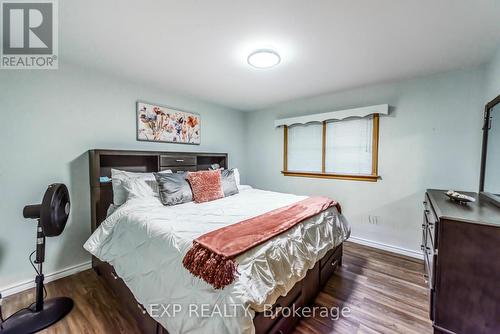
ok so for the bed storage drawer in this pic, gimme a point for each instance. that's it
(300, 295)
(337, 251)
(310, 284)
(264, 323)
(287, 323)
(171, 160)
(290, 297)
(130, 305)
(328, 265)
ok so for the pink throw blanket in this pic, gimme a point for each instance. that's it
(212, 256)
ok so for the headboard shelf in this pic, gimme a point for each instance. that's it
(102, 161)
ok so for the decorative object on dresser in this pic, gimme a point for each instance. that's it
(101, 163)
(459, 198)
(489, 184)
(461, 247)
(52, 215)
(164, 124)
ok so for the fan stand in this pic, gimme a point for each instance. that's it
(41, 314)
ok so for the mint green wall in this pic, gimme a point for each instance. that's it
(49, 120)
(432, 138)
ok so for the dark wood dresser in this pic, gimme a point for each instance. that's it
(461, 245)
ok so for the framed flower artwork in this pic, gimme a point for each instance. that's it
(163, 124)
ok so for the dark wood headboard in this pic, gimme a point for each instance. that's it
(102, 161)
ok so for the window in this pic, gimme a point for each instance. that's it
(304, 147)
(344, 149)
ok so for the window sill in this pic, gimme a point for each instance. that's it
(369, 178)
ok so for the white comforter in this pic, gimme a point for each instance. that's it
(146, 242)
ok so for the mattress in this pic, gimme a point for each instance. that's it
(145, 242)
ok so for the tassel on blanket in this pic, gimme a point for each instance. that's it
(213, 268)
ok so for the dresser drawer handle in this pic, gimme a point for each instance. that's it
(429, 221)
(179, 160)
(143, 311)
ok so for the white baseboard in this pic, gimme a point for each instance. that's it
(389, 248)
(22, 286)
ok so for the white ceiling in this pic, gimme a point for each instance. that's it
(199, 48)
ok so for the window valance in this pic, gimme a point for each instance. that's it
(382, 109)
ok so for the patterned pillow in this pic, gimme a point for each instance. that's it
(206, 185)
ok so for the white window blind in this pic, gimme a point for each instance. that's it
(349, 146)
(305, 147)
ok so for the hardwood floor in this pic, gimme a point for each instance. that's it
(95, 310)
(384, 292)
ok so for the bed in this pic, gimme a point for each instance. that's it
(138, 250)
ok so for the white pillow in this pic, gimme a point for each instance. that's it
(111, 209)
(237, 176)
(119, 176)
(137, 187)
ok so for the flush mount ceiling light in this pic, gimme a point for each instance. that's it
(264, 58)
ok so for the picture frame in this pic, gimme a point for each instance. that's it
(163, 124)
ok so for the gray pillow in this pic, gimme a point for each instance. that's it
(228, 181)
(173, 188)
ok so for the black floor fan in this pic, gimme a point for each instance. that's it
(52, 215)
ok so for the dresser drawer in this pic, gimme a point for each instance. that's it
(429, 211)
(430, 263)
(430, 235)
(177, 160)
(430, 224)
